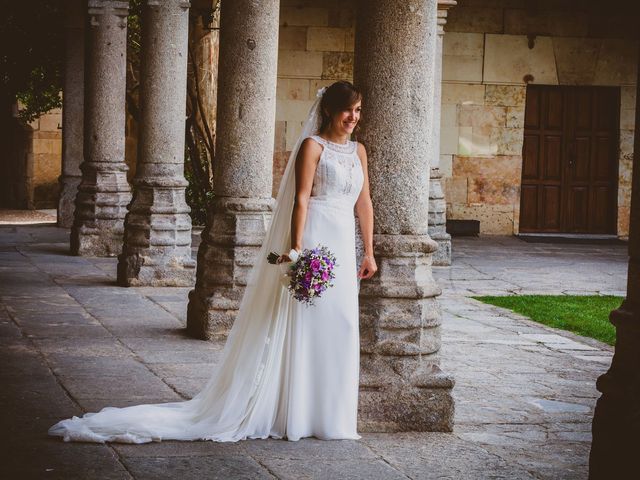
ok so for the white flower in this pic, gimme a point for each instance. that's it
(321, 92)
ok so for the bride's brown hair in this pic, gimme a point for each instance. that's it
(338, 97)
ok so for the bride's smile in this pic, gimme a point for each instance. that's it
(343, 123)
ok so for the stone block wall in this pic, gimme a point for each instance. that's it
(315, 49)
(41, 156)
(492, 48)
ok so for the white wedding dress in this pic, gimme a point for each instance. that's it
(287, 370)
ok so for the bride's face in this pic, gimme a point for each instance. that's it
(345, 121)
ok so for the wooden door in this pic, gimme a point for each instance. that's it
(570, 160)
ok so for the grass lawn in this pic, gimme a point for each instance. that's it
(584, 315)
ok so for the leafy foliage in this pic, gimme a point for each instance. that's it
(31, 55)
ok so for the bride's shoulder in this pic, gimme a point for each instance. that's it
(310, 148)
(312, 144)
(313, 140)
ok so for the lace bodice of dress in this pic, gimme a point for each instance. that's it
(339, 172)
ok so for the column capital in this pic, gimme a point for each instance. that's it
(446, 4)
(443, 9)
(119, 8)
(184, 4)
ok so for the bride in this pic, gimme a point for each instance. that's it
(287, 370)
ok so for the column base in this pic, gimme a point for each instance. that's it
(104, 240)
(100, 208)
(442, 256)
(401, 385)
(422, 404)
(225, 258)
(67, 200)
(157, 241)
(175, 269)
(211, 316)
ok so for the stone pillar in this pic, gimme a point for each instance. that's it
(437, 203)
(241, 210)
(103, 194)
(616, 422)
(157, 239)
(72, 110)
(401, 384)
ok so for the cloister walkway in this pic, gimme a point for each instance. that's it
(72, 341)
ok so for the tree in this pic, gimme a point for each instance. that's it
(31, 56)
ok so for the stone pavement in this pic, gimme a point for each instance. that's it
(27, 217)
(72, 341)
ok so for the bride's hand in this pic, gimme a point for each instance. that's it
(368, 267)
(283, 259)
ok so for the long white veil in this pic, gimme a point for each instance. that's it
(245, 396)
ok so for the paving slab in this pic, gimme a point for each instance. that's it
(218, 467)
(71, 341)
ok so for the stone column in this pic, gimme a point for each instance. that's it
(72, 110)
(103, 194)
(401, 384)
(437, 203)
(616, 422)
(244, 156)
(157, 239)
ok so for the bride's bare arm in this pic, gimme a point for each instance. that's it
(364, 210)
(306, 163)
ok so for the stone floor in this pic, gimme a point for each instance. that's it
(73, 342)
(27, 217)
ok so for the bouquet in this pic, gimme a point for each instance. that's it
(310, 275)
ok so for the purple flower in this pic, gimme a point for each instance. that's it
(311, 275)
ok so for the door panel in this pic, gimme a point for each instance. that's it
(531, 149)
(583, 115)
(532, 112)
(602, 166)
(579, 159)
(554, 110)
(570, 166)
(602, 202)
(577, 209)
(551, 208)
(529, 218)
(553, 157)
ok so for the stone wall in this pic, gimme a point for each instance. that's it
(41, 156)
(490, 47)
(315, 49)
